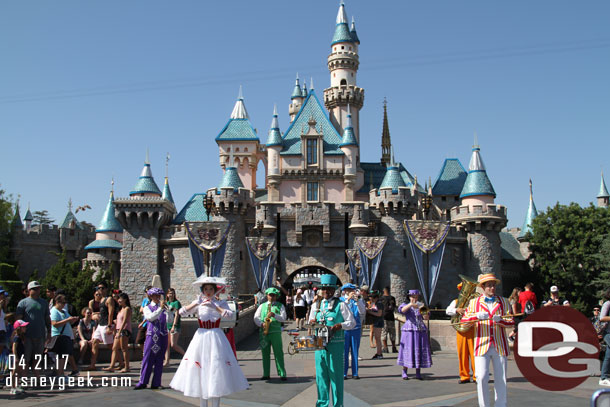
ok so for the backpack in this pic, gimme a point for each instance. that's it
(529, 308)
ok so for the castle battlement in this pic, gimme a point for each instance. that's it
(468, 216)
(342, 95)
(232, 200)
(386, 200)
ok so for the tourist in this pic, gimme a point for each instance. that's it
(375, 310)
(209, 369)
(61, 334)
(155, 343)
(414, 340)
(122, 335)
(300, 310)
(604, 317)
(4, 338)
(259, 298)
(18, 341)
(528, 300)
(290, 304)
(35, 311)
(269, 317)
(94, 305)
(554, 300)
(173, 325)
(486, 313)
(104, 332)
(389, 322)
(515, 308)
(86, 326)
(141, 335)
(352, 336)
(51, 293)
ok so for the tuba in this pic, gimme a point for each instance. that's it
(467, 293)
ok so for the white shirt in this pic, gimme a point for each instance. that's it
(152, 315)
(300, 302)
(207, 310)
(308, 295)
(280, 318)
(349, 320)
(452, 308)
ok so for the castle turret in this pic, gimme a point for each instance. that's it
(392, 204)
(349, 146)
(105, 251)
(239, 144)
(16, 222)
(529, 217)
(296, 100)
(343, 64)
(167, 193)
(481, 218)
(141, 216)
(386, 142)
(274, 147)
(28, 219)
(603, 196)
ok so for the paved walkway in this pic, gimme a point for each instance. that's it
(380, 386)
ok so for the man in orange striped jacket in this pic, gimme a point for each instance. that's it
(490, 343)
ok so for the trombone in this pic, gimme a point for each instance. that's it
(507, 316)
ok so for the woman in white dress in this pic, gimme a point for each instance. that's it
(209, 369)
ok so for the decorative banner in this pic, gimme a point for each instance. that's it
(425, 238)
(208, 235)
(369, 248)
(353, 260)
(262, 257)
(427, 235)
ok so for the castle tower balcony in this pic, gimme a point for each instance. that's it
(342, 96)
(479, 217)
(401, 200)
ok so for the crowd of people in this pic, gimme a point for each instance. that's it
(50, 329)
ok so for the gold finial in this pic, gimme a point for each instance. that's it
(167, 157)
(531, 191)
(476, 140)
(70, 204)
(147, 157)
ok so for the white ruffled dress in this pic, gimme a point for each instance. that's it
(209, 368)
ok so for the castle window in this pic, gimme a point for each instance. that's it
(444, 198)
(343, 82)
(342, 47)
(246, 150)
(312, 151)
(350, 48)
(228, 149)
(237, 150)
(312, 191)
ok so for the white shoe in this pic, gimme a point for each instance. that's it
(604, 382)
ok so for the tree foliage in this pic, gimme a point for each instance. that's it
(42, 218)
(565, 245)
(78, 282)
(6, 217)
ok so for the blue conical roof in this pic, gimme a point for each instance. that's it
(451, 179)
(17, 217)
(477, 182)
(353, 32)
(28, 215)
(238, 128)
(603, 191)
(70, 220)
(230, 179)
(392, 179)
(349, 138)
(342, 33)
(193, 211)
(529, 217)
(146, 183)
(275, 137)
(109, 222)
(296, 93)
(167, 193)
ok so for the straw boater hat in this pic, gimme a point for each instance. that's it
(219, 282)
(484, 278)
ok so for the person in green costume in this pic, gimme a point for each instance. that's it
(275, 311)
(335, 314)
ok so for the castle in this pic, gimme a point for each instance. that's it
(318, 197)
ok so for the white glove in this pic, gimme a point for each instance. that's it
(497, 318)
(482, 315)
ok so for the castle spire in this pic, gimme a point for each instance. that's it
(146, 183)
(529, 217)
(348, 139)
(296, 93)
(342, 33)
(108, 223)
(353, 32)
(386, 142)
(477, 182)
(16, 223)
(239, 110)
(167, 193)
(275, 137)
(603, 197)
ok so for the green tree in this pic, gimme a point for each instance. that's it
(42, 218)
(6, 217)
(602, 282)
(565, 244)
(78, 282)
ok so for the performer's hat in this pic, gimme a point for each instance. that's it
(219, 282)
(328, 281)
(272, 291)
(413, 292)
(348, 286)
(484, 278)
(155, 291)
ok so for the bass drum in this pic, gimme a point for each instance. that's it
(231, 321)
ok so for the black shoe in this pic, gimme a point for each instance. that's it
(377, 357)
(283, 378)
(394, 350)
(140, 387)
(157, 387)
(462, 381)
(356, 377)
(385, 350)
(265, 377)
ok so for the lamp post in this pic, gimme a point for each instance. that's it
(208, 204)
(427, 204)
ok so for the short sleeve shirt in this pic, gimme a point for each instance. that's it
(34, 312)
(57, 315)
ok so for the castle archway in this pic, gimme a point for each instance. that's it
(308, 275)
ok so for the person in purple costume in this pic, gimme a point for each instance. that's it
(414, 341)
(156, 340)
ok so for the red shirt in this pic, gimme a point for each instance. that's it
(525, 296)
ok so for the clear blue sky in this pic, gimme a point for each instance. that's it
(86, 87)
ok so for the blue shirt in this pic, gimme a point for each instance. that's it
(145, 302)
(57, 315)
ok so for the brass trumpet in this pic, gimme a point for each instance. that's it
(507, 316)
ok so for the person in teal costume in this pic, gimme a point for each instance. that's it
(335, 314)
(277, 313)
